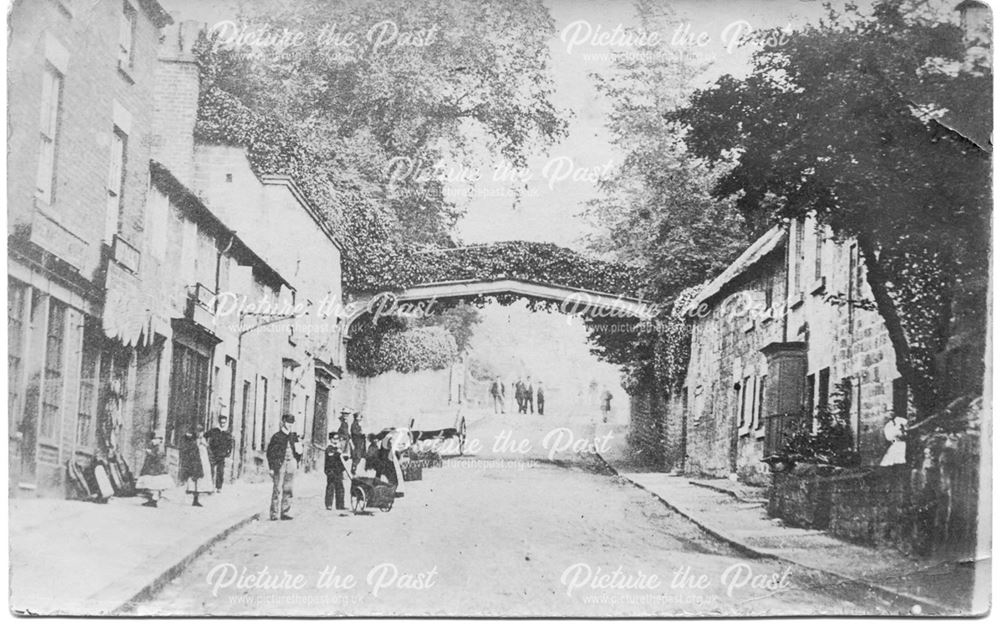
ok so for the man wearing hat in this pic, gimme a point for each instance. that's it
(284, 452)
(357, 442)
(334, 469)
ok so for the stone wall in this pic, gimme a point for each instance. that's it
(931, 508)
(726, 375)
(647, 418)
(872, 507)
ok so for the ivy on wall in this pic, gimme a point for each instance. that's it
(375, 259)
(390, 346)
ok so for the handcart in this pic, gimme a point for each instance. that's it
(370, 492)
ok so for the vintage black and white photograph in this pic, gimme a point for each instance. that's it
(499, 308)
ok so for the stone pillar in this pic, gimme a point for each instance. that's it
(784, 389)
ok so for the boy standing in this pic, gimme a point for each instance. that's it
(334, 469)
(220, 447)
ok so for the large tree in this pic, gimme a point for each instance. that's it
(374, 107)
(655, 210)
(404, 91)
(852, 120)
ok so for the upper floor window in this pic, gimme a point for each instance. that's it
(126, 35)
(800, 255)
(820, 239)
(116, 183)
(52, 84)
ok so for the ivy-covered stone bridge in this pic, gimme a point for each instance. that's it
(541, 273)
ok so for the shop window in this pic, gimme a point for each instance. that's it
(16, 309)
(55, 370)
(188, 405)
(89, 385)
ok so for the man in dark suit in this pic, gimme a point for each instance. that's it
(540, 395)
(344, 429)
(334, 469)
(357, 442)
(284, 452)
(220, 447)
(529, 396)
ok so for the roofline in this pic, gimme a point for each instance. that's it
(772, 237)
(161, 175)
(289, 182)
(429, 284)
(160, 16)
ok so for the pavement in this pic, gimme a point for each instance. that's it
(736, 514)
(80, 558)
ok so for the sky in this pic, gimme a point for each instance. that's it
(561, 178)
(549, 210)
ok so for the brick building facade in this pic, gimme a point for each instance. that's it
(129, 253)
(80, 79)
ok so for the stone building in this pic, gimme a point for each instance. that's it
(288, 354)
(786, 326)
(80, 79)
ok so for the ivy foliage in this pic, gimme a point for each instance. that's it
(850, 120)
(339, 164)
(538, 262)
(391, 345)
(655, 211)
(397, 88)
(373, 258)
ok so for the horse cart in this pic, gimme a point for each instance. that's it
(443, 432)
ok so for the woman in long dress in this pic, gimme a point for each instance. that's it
(194, 465)
(154, 478)
(895, 432)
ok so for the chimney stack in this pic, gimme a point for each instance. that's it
(176, 110)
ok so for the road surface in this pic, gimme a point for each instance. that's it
(509, 530)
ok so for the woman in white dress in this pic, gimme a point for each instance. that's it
(895, 432)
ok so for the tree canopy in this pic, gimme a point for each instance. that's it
(847, 120)
(395, 88)
(655, 210)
